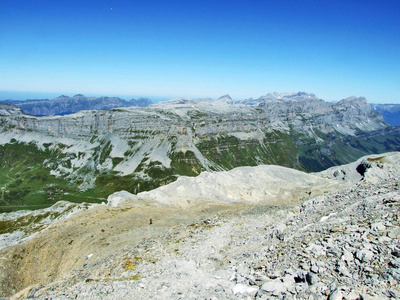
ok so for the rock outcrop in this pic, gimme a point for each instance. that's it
(9, 110)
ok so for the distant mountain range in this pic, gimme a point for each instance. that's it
(88, 155)
(64, 105)
(390, 112)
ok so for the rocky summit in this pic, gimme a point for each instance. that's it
(328, 235)
(89, 155)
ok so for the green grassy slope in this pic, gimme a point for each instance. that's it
(26, 181)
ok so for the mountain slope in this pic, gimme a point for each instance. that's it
(343, 242)
(91, 154)
(9, 109)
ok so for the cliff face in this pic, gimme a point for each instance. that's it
(139, 149)
(202, 117)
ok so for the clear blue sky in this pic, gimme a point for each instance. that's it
(332, 48)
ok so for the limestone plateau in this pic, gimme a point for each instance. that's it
(89, 155)
(264, 232)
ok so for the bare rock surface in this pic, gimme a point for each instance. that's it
(266, 184)
(341, 244)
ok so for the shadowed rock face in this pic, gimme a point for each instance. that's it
(363, 167)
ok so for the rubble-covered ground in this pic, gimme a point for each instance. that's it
(339, 245)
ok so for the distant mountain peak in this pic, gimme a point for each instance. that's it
(354, 100)
(78, 95)
(225, 96)
(280, 97)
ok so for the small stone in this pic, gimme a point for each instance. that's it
(378, 226)
(333, 251)
(394, 294)
(384, 239)
(312, 278)
(245, 290)
(275, 287)
(394, 233)
(338, 228)
(364, 255)
(314, 269)
(347, 256)
(336, 295)
(344, 271)
(396, 253)
(317, 250)
(395, 263)
(352, 296)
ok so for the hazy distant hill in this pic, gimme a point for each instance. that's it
(390, 112)
(64, 105)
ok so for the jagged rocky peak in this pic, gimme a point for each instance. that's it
(354, 100)
(225, 97)
(63, 97)
(299, 96)
(174, 101)
(142, 102)
(280, 97)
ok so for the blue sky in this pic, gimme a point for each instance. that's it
(166, 49)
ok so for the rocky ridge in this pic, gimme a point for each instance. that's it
(342, 244)
(8, 110)
(205, 116)
(64, 105)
